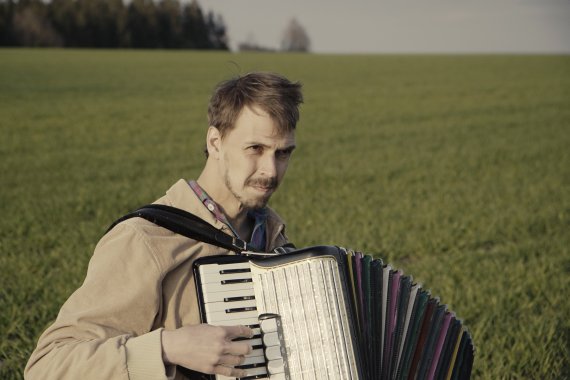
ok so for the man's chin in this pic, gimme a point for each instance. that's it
(258, 201)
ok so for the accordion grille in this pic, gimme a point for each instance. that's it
(309, 297)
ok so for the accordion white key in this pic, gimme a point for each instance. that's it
(328, 313)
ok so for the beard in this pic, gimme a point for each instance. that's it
(252, 203)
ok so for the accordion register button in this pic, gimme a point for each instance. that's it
(273, 353)
(271, 339)
(277, 376)
(268, 325)
(275, 366)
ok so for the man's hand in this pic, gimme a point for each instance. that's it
(207, 349)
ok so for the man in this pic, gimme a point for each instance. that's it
(136, 314)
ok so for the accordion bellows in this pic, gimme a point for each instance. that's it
(343, 315)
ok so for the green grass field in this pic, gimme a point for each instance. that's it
(453, 168)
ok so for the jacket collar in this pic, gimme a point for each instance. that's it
(181, 196)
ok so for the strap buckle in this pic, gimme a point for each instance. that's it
(239, 244)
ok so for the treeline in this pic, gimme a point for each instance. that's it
(165, 24)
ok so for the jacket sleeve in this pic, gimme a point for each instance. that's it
(103, 331)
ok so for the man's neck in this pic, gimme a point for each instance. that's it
(232, 208)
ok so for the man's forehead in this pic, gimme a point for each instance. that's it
(256, 126)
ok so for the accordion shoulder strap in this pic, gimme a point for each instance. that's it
(186, 224)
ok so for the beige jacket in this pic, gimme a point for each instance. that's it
(138, 282)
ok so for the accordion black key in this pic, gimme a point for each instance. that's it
(328, 313)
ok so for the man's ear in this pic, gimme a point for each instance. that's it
(213, 142)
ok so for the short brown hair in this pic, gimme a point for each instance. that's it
(271, 92)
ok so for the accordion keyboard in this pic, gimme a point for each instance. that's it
(229, 299)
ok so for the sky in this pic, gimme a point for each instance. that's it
(403, 26)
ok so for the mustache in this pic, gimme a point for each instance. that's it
(268, 183)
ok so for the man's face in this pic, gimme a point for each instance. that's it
(253, 158)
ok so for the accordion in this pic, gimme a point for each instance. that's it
(329, 313)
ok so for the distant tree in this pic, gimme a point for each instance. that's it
(110, 23)
(217, 31)
(195, 31)
(6, 22)
(99, 23)
(62, 14)
(251, 44)
(169, 19)
(32, 27)
(245, 46)
(295, 38)
(142, 24)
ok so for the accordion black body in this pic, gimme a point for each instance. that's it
(340, 315)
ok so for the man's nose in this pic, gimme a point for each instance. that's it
(268, 166)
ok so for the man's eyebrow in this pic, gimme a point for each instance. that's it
(256, 143)
(288, 147)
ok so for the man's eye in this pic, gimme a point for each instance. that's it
(256, 148)
(283, 154)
